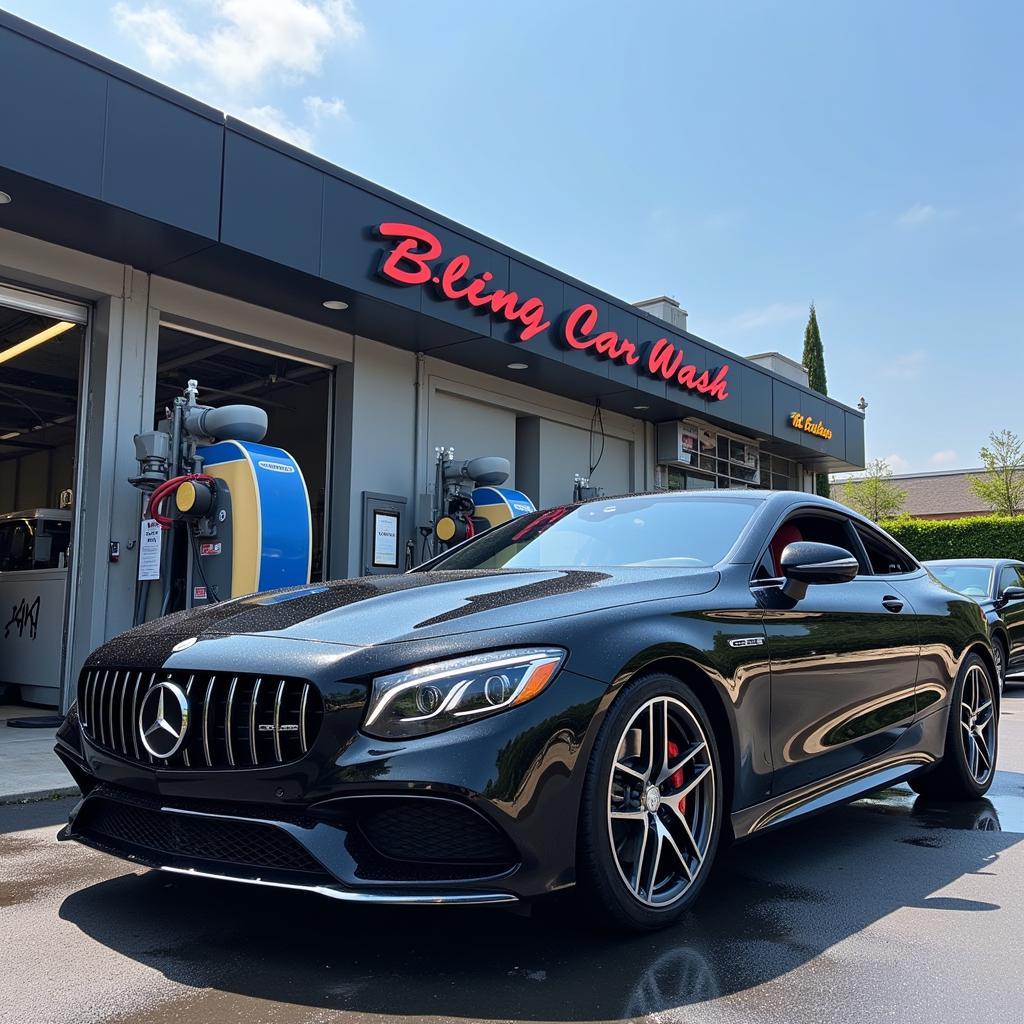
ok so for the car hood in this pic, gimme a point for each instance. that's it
(425, 605)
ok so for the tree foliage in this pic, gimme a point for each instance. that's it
(814, 355)
(875, 494)
(1002, 487)
(814, 363)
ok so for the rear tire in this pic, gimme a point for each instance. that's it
(652, 806)
(968, 763)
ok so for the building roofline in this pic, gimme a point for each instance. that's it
(107, 66)
(938, 472)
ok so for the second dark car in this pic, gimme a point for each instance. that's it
(997, 584)
(591, 695)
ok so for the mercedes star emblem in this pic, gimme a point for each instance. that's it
(163, 719)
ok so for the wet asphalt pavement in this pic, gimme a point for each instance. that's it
(887, 909)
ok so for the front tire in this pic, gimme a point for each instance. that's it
(652, 806)
(968, 763)
(999, 656)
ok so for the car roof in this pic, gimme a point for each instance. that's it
(729, 494)
(982, 563)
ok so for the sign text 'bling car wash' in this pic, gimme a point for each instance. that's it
(411, 262)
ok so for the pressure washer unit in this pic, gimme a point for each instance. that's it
(233, 514)
(468, 498)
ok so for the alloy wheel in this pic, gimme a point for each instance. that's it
(978, 724)
(661, 801)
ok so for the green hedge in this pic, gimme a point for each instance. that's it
(978, 537)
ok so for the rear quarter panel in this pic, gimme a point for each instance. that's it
(950, 625)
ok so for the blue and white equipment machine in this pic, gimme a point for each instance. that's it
(240, 519)
(462, 510)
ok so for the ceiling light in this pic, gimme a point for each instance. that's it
(5, 198)
(10, 435)
(37, 339)
(518, 366)
(640, 408)
(335, 304)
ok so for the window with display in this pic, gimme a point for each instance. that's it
(710, 459)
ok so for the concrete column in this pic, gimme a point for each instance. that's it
(118, 404)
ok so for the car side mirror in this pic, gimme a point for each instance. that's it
(805, 562)
(1012, 594)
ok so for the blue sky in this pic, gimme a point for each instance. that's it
(745, 158)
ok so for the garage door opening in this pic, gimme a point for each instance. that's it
(42, 343)
(295, 395)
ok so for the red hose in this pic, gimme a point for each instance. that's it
(165, 490)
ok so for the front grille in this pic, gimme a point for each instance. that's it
(235, 721)
(426, 829)
(164, 837)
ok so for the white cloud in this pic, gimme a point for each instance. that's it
(768, 316)
(907, 366)
(275, 122)
(944, 458)
(159, 32)
(920, 215)
(246, 42)
(320, 109)
(897, 463)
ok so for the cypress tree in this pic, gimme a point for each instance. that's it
(814, 361)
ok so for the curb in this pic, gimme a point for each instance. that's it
(39, 794)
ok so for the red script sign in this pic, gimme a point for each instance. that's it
(410, 263)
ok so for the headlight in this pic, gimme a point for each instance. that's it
(447, 693)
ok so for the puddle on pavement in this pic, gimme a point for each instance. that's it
(1002, 810)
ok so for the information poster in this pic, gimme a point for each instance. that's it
(385, 540)
(149, 550)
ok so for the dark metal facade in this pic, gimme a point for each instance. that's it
(103, 160)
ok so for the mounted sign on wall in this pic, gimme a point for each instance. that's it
(809, 426)
(409, 263)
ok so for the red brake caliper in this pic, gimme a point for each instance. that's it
(677, 776)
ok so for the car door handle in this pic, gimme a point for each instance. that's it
(892, 604)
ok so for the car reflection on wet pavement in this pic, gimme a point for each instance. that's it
(893, 907)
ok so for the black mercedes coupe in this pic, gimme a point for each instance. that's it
(595, 695)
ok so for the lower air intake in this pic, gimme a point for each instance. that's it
(164, 837)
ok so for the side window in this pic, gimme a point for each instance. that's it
(53, 538)
(16, 546)
(885, 558)
(1009, 577)
(823, 529)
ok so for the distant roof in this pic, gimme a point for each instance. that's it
(779, 355)
(944, 492)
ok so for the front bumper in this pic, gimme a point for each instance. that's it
(299, 853)
(481, 814)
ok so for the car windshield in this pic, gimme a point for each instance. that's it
(665, 531)
(970, 580)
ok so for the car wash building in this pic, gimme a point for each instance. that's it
(147, 240)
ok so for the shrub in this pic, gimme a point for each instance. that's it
(976, 537)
